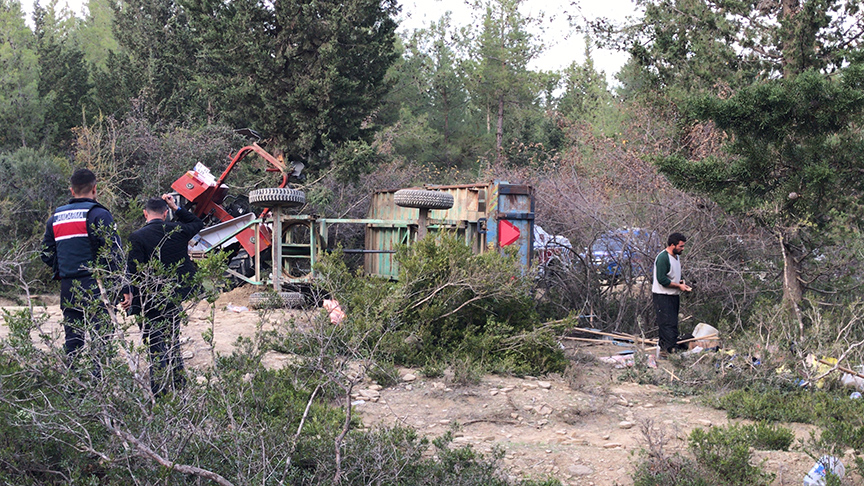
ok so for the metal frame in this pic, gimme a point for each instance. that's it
(477, 213)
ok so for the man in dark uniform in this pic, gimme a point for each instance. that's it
(78, 235)
(160, 298)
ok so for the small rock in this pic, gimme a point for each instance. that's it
(648, 405)
(493, 392)
(409, 387)
(541, 423)
(507, 389)
(545, 410)
(606, 437)
(514, 415)
(409, 377)
(544, 384)
(448, 389)
(489, 438)
(201, 380)
(188, 354)
(625, 425)
(247, 378)
(611, 445)
(705, 422)
(444, 421)
(561, 432)
(376, 387)
(548, 451)
(529, 386)
(580, 470)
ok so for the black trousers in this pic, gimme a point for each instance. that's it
(82, 309)
(666, 307)
(161, 334)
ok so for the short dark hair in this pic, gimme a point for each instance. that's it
(156, 205)
(675, 238)
(82, 181)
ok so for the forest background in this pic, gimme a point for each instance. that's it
(736, 123)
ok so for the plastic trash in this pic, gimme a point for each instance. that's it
(236, 308)
(620, 361)
(704, 330)
(855, 395)
(816, 476)
(853, 381)
(334, 310)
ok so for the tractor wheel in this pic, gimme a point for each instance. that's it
(421, 199)
(277, 196)
(269, 300)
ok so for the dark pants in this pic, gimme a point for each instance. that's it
(82, 309)
(666, 307)
(161, 334)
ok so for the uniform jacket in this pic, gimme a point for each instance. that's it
(75, 234)
(168, 242)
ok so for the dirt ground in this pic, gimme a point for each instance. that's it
(584, 430)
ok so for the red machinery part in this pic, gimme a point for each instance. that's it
(208, 197)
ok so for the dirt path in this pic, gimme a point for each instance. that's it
(584, 430)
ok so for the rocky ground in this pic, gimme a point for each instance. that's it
(584, 429)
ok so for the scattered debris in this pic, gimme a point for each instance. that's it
(236, 308)
(334, 311)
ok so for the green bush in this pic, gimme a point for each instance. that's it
(726, 452)
(768, 437)
(803, 406)
(460, 303)
(674, 470)
(384, 373)
(449, 304)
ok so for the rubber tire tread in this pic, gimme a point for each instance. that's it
(422, 199)
(277, 196)
(267, 300)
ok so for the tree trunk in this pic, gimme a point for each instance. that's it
(499, 132)
(793, 290)
(788, 8)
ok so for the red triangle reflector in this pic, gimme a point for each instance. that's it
(507, 233)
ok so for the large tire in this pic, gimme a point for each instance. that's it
(269, 300)
(418, 198)
(277, 196)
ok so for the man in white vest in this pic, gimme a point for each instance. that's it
(666, 291)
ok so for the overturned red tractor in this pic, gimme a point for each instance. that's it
(488, 216)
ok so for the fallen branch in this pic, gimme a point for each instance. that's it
(149, 453)
(491, 421)
(621, 336)
(588, 340)
(672, 376)
(838, 367)
(710, 337)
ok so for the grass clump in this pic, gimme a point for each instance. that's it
(721, 457)
(802, 406)
(725, 451)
